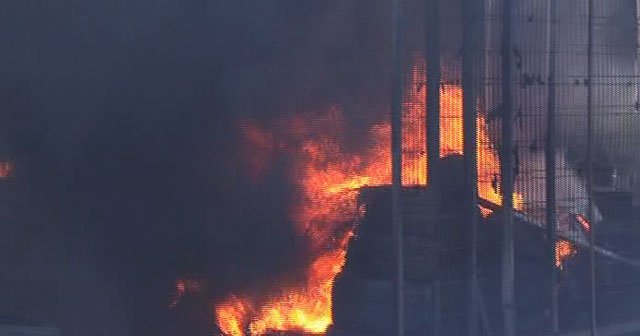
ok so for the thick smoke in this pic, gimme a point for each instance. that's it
(125, 142)
(122, 118)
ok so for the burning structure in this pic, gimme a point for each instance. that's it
(491, 193)
(518, 131)
(330, 181)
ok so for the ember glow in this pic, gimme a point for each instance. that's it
(185, 287)
(564, 251)
(6, 168)
(328, 177)
(586, 226)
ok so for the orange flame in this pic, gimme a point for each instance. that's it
(328, 177)
(6, 168)
(307, 308)
(586, 226)
(185, 287)
(564, 251)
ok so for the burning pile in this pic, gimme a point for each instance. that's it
(328, 178)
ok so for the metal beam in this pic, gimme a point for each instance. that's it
(434, 75)
(396, 163)
(470, 139)
(550, 162)
(582, 243)
(590, 206)
(507, 171)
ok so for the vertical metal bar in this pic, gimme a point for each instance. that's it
(480, 45)
(480, 318)
(469, 106)
(590, 76)
(437, 305)
(396, 150)
(434, 76)
(489, 63)
(636, 63)
(550, 162)
(635, 185)
(507, 171)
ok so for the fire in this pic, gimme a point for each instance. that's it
(6, 168)
(185, 287)
(306, 309)
(328, 178)
(564, 251)
(586, 226)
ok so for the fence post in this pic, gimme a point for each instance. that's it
(470, 121)
(507, 173)
(432, 52)
(590, 206)
(396, 150)
(550, 162)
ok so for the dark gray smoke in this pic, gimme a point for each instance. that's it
(121, 119)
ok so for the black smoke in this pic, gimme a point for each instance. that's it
(122, 120)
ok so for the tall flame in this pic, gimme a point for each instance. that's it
(328, 177)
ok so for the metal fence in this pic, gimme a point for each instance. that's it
(515, 150)
(551, 90)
